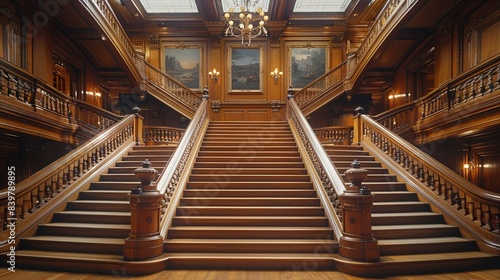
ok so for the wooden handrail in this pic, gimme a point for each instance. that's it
(22, 202)
(473, 207)
(326, 179)
(174, 174)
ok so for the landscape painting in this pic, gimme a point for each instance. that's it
(184, 65)
(307, 64)
(245, 69)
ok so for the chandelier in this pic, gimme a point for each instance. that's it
(246, 25)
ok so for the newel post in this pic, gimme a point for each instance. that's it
(144, 240)
(138, 124)
(358, 242)
(357, 127)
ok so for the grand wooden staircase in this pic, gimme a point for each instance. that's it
(410, 235)
(93, 227)
(249, 203)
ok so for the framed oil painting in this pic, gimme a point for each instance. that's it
(245, 67)
(183, 64)
(307, 64)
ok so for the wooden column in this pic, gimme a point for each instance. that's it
(144, 240)
(358, 242)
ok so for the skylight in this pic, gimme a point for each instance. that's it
(318, 6)
(227, 4)
(170, 6)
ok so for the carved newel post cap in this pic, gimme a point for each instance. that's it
(205, 93)
(146, 174)
(290, 93)
(359, 110)
(136, 110)
(356, 175)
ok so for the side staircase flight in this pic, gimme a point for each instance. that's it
(93, 227)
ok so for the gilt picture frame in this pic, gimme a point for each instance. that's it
(307, 63)
(245, 69)
(183, 63)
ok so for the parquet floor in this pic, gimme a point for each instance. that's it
(493, 274)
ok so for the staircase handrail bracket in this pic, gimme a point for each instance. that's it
(325, 177)
(471, 205)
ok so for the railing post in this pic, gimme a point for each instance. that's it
(144, 240)
(358, 242)
(357, 127)
(138, 124)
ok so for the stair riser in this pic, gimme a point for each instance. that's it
(251, 248)
(253, 234)
(404, 220)
(419, 248)
(384, 186)
(118, 178)
(246, 171)
(142, 158)
(94, 206)
(264, 263)
(251, 222)
(119, 186)
(235, 177)
(375, 178)
(234, 161)
(251, 147)
(249, 193)
(137, 164)
(249, 211)
(351, 158)
(232, 143)
(83, 232)
(60, 246)
(415, 233)
(204, 201)
(400, 208)
(96, 219)
(385, 197)
(248, 152)
(96, 195)
(242, 165)
(213, 186)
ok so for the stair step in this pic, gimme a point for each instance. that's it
(242, 159)
(250, 146)
(302, 221)
(254, 171)
(372, 170)
(78, 244)
(85, 230)
(406, 218)
(202, 193)
(249, 185)
(104, 195)
(129, 177)
(99, 205)
(114, 185)
(142, 158)
(400, 206)
(128, 170)
(364, 164)
(414, 231)
(233, 165)
(231, 143)
(249, 201)
(249, 211)
(251, 246)
(384, 186)
(351, 158)
(426, 245)
(394, 196)
(93, 217)
(247, 261)
(248, 152)
(235, 177)
(232, 232)
(138, 163)
(375, 178)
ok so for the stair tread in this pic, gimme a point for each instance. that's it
(68, 255)
(77, 239)
(406, 214)
(121, 202)
(86, 225)
(232, 256)
(436, 257)
(248, 228)
(251, 241)
(423, 241)
(98, 213)
(412, 226)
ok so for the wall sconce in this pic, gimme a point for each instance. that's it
(214, 75)
(276, 75)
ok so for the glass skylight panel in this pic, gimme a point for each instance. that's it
(170, 6)
(319, 6)
(227, 4)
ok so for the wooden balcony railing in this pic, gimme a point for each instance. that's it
(326, 178)
(472, 85)
(26, 203)
(339, 135)
(162, 134)
(476, 210)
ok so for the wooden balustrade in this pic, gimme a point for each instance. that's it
(463, 89)
(94, 117)
(173, 174)
(340, 135)
(162, 134)
(34, 193)
(470, 202)
(325, 176)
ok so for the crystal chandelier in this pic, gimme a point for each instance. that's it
(246, 25)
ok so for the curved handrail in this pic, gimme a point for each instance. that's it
(332, 185)
(473, 203)
(21, 200)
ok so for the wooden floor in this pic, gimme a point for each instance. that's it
(493, 274)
